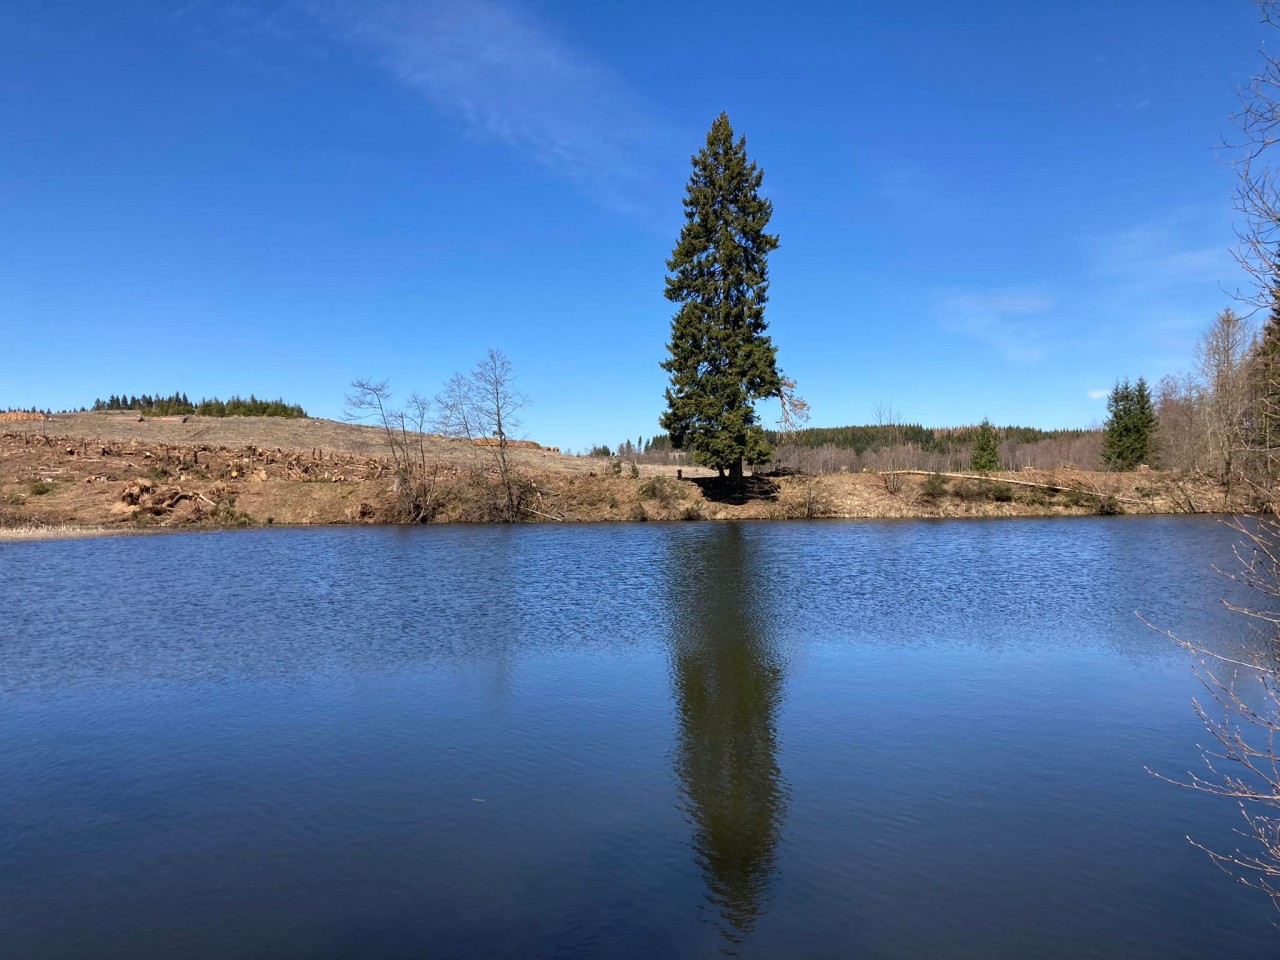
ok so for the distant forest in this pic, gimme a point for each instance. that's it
(872, 437)
(897, 446)
(177, 405)
(927, 439)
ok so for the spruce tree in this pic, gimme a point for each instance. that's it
(721, 360)
(986, 449)
(1115, 442)
(1145, 422)
(1129, 435)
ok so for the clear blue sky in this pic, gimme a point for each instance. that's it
(986, 208)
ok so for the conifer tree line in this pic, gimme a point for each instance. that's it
(904, 446)
(177, 404)
(642, 446)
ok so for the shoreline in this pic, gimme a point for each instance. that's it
(35, 533)
(92, 481)
(41, 534)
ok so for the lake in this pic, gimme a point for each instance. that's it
(879, 739)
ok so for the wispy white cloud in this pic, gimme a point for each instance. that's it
(1010, 321)
(1171, 250)
(506, 77)
(1159, 281)
(1098, 394)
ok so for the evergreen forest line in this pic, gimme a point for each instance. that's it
(178, 405)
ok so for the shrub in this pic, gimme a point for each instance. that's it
(1002, 493)
(40, 488)
(1109, 507)
(662, 489)
(1038, 498)
(935, 485)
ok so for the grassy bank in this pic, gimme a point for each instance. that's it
(102, 475)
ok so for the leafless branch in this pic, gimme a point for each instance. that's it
(1241, 713)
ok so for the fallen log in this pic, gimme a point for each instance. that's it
(1055, 487)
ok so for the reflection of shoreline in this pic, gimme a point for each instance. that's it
(727, 684)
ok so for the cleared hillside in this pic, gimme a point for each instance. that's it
(117, 473)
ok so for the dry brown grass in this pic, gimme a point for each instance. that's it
(267, 470)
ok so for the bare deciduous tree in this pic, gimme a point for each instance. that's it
(415, 474)
(484, 407)
(1223, 356)
(892, 456)
(1257, 196)
(1180, 403)
(1242, 712)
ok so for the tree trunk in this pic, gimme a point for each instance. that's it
(735, 474)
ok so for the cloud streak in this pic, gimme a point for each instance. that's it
(1160, 253)
(507, 78)
(1010, 321)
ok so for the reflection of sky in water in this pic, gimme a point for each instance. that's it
(890, 739)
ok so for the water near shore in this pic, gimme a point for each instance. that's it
(907, 739)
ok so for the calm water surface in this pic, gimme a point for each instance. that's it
(907, 739)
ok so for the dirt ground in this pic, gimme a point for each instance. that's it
(111, 472)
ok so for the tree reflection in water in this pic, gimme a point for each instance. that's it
(727, 681)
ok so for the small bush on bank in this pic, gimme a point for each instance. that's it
(935, 486)
(662, 489)
(1038, 497)
(1109, 507)
(224, 512)
(40, 488)
(1002, 493)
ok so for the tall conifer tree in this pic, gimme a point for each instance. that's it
(721, 360)
(986, 448)
(1129, 435)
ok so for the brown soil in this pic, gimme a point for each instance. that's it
(113, 472)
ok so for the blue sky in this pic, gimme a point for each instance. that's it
(986, 208)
